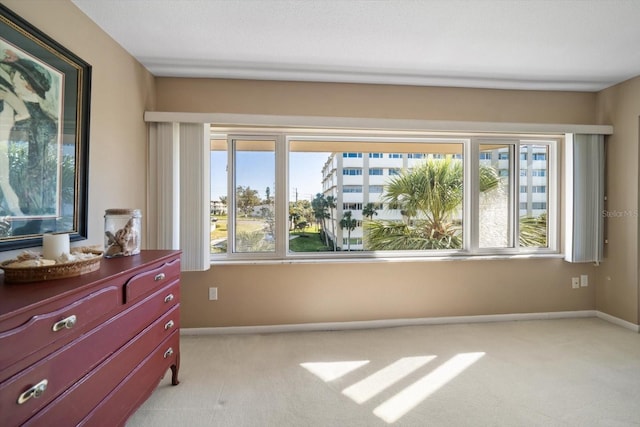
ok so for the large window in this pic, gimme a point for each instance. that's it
(283, 196)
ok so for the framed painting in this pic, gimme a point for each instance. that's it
(44, 136)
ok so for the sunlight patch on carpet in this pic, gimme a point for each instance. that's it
(379, 381)
(329, 371)
(399, 405)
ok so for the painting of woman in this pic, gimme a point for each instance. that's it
(30, 143)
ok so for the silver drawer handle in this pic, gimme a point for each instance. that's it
(168, 353)
(159, 276)
(168, 325)
(168, 298)
(35, 392)
(67, 323)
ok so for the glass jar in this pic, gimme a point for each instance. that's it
(121, 232)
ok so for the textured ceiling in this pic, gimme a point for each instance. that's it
(510, 44)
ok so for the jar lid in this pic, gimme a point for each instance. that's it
(130, 212)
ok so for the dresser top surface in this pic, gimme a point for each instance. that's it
(16, 296)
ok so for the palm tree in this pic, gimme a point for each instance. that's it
(533, 231)
(350, 224)
(300, 211)
(429, 198)
(398, 235)
(253, 241)
(267, 198)
(293, 219)
(369, 211)
(319, 206)
(433, 189)
(331, 204)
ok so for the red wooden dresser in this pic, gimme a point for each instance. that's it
(89, 350)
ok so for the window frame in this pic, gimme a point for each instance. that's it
(515, 177)
(280, 213)
(470, 145)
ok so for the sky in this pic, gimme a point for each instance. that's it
(257, 170)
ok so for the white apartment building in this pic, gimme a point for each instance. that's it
(355, 179)
(216, 207)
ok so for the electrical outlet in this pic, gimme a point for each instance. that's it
(575, 282)
(213, 294)
(584, 280)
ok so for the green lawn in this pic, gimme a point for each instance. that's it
(244, 224)
(221, 228)
(309, 242)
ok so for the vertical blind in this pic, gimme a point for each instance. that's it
(178, 205)
(163, 186)
(584, 189)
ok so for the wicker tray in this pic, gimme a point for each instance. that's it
(20, 274)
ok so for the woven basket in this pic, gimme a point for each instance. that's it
(20, 274)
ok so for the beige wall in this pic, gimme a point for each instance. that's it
(617, 289)
(298, 293)
(121, 91)
(330, 292)
(379, 101)
(304, 293)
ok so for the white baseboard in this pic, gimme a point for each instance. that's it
(390, 323)
(618, 321)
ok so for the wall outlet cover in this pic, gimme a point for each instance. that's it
(584, 280)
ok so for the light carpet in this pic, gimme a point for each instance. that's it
(566, 372)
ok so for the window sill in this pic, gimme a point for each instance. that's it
(357, 260)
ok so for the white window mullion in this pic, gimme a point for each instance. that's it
(471, 188)
(231, 195)
(282, 196)
(514, 206)
(553, 232)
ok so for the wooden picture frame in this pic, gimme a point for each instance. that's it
(44, 136)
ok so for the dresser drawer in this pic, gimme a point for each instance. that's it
(137, 387)
(59, 326)
(151, 307)
(70, 407)
(145, 283)
(64, 367)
